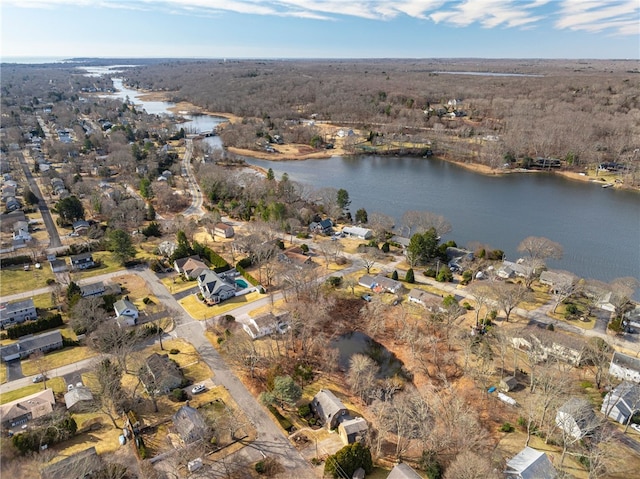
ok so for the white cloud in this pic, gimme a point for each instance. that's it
(621, 17)
(617, 16)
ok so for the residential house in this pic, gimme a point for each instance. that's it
(380, 284)
(81, 465)
(631, 318)
(223, 230)
(295, 255)
(190, 425)
(191, 266)
(424, 298)
(23, 410)
(266, 324)
(329, 409)
(21, 231)
(324, 227)
(213, 288)
(556, 280)
(17, 312)
(58, 265)
(82, 261)
(576, 418)
(607, 301)
(160, 375)
(80, 227)
(352, 430)
(357, 232)
(78, 396)
(509, 269)
(403, 471)
(127, 310)
(12, 204)
(93, 289)
(8, 191)
(28, 345)
(530, 464)
(9, 220)
(622, 403)
(547, 344)
(625, 367)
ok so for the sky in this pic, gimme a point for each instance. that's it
(608, 29)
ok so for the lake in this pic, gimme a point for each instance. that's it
(598, 228)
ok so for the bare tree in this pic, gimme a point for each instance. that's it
(508, 296)
(88, 314)
(538, 250)
(470, 465)
(420, 221)
(598, 358)
(361, 375)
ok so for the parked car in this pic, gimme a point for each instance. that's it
(367, 297)
(39, 378)
(635, 427)
(69, 387)
(198, 388)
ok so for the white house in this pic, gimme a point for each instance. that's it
(576, 418)
(380, 284)
(423, 298)
(357, 232)
(266, 324)
(625, 367)
(622, 403)
(530, 464)
(223, 230)
(125, 308)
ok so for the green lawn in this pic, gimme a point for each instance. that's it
(201, 311)
(57, 384)
(109, 265)
(59, 358)
(13, 279)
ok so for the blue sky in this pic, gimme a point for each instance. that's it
(321, 28)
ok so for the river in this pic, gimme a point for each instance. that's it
(598, 228)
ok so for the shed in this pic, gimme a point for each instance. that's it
(508, 383)
(403, 471)
(352, 430)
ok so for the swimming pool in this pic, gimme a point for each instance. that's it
(242, 283)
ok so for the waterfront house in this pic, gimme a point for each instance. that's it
(17, 312)
(82, 261)
(324, 227)
(328, 408)
(530, 464)
(23, 410)
(557, 280)
(626, 368)
(213, 288)
(622, 403)
(509, 269)
(357, 232)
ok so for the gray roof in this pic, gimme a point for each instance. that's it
(625, 361)
(122, 305)
(16, 306)
(76, 466)
(92, 289)
(530, 464)
(354, 426)
(189, 424)
(328, 403)
(403, 471)
(77, 394)
(32, 343)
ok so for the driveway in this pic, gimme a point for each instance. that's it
(14, 370)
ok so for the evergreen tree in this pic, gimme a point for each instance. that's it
(348, 459)
(120, 244)
(409, 278)
(362, 216)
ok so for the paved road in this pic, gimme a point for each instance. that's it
(54, 237)
(271, 440)
(61, 371)
(194, 190)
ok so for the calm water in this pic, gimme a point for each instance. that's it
(359, 343)
(598, 228)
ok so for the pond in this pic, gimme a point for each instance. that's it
(359, 343)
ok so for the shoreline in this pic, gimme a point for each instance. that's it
(297, 152)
